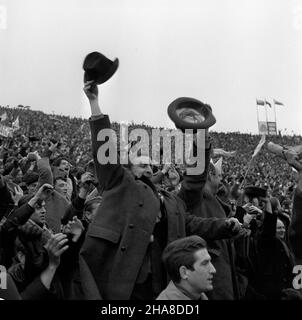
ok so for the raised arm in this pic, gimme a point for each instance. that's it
(192, 185)
(109, 174)
(295, 227)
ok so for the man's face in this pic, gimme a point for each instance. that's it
(61, 187)
(201, 277)
(64, 166)
(32, 187)
(255, 202)
(215, 179)
(19, 176)
(39, 215)
(141, 167)
(190, 115)
(280, 229)
(171, 179)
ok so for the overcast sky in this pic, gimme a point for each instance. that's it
(225, 53)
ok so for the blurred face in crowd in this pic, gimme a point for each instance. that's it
(141, 167)
(64, 166)
(32, 187)
(280, 229)
(200, 278)
(64, 148)
(255, 202)
(19, 176)
(214, 179)
(190, 115)
(171, 179)
(61, 187)
(39, 215)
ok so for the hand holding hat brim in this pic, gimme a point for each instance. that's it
(189, 113)
(99, 68)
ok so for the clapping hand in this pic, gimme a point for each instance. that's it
(75, 228)
(55, 246)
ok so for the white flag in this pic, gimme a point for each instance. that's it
(16, 124)
(259, 146)
(221, 152)
(218, 166)
(3, 116)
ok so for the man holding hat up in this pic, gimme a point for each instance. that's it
(121, 255)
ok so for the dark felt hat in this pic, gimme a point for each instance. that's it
(99, 68)
(189, 113)
(255, 192)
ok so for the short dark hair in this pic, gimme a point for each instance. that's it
(181, 253)
(57, 161)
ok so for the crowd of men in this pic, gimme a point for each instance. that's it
(73, 227)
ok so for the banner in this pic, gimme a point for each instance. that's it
(6, 131)
(278, 103)
(15, 124)
(259, 146)
(272, 128)
(262, 126)
(3, 116)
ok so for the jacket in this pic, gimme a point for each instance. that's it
(118, 238)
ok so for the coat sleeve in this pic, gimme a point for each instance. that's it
(9, 231)
(208, 228)
(89, 286)
(109, 174)
(6, 202)
(44, 171)
(192, 185)
(18, 217)
(295, 228)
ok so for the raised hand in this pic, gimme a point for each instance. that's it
(234, 225)
(55, 246)
(33, 156)
(53, 146)
(44, 191)
(17, 195)
(91, 90)
(75, 228)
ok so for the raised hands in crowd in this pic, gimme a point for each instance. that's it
(70, 223)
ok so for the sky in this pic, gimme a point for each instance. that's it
(225, 53)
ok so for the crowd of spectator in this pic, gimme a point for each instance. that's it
(53, 191)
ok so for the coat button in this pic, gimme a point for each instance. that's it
(131, 226)
(123, 248)
(140, 204)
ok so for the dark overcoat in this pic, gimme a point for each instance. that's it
(117, 240)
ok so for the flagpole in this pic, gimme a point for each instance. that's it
(266, 118)
(248, 169)
(275, 115)
(257, 116)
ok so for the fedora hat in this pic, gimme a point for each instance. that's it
(189, 113)
(99, 68)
